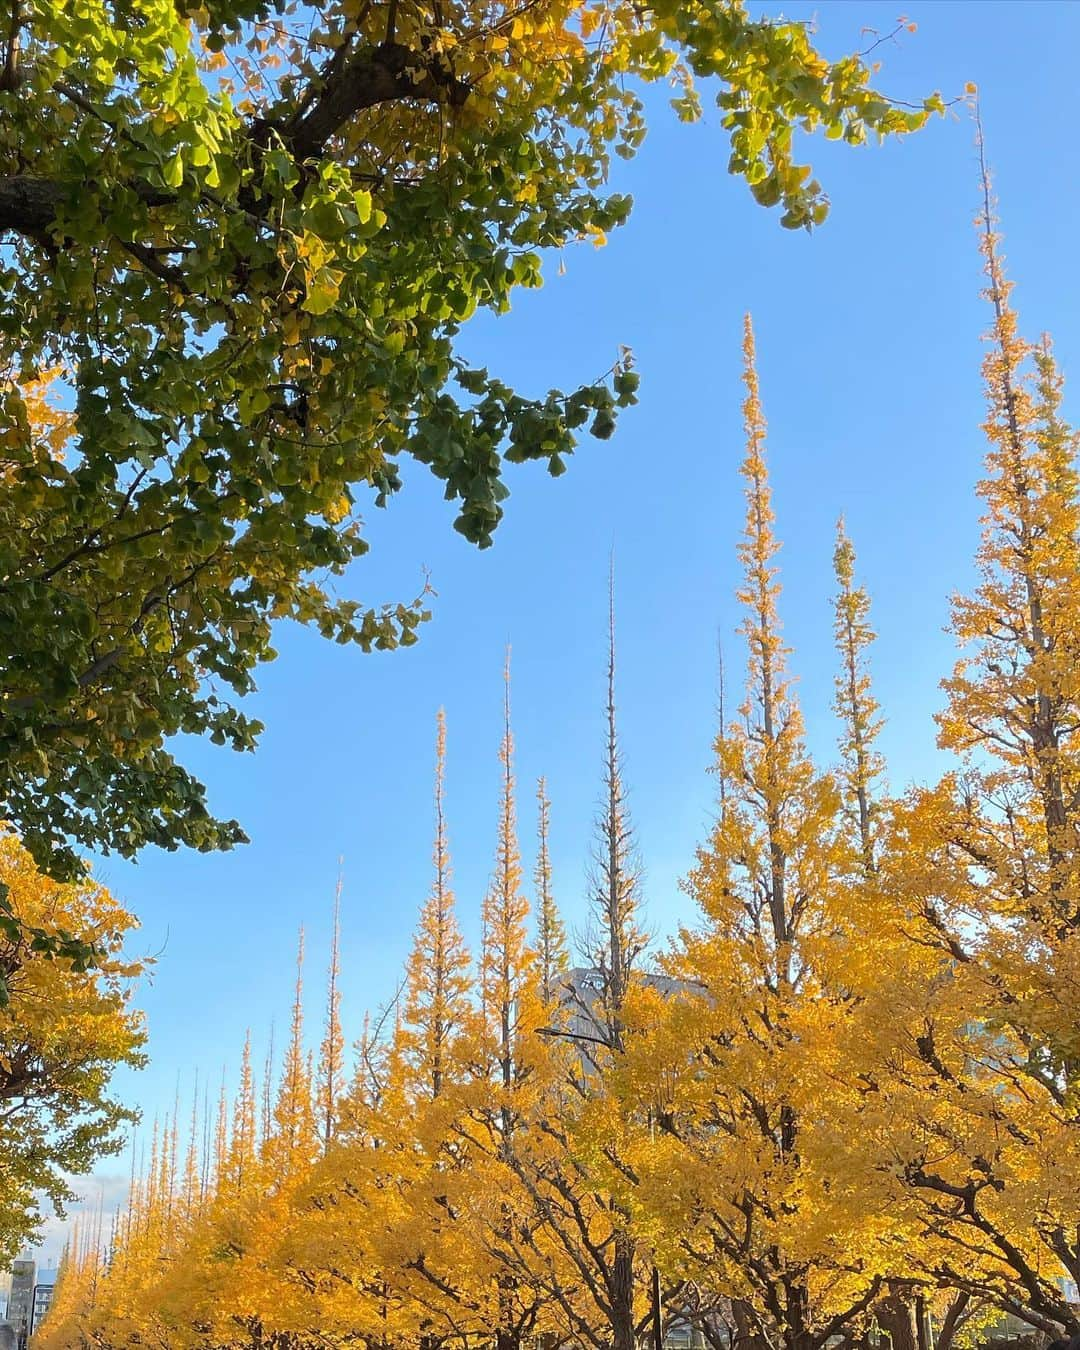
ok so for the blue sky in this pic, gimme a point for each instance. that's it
(869, 349)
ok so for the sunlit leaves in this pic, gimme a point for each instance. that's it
(63, 1028)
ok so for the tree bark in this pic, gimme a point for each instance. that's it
(622, 1295)
(952, 1321)
(747, 1336)
(895, 1316)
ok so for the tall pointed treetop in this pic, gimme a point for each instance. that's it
(266, 1114)
(221, 1133)
(855, 704)
(331, 1071)
(294, 1125)
(191, 1185)
(506, 957)
(242, 1150)
(550, 932)
(760, 590)
(617, 939)
(759, 877)
(1013, 693)
(438, 976)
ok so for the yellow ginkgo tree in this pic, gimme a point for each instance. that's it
(63, 1030)
(732, 1165)
(979, 1061)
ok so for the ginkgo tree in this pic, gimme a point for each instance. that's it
(731, 1165)
(980, 1070)
(244, 235)
(63, 1030)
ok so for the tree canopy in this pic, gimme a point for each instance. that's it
(238, 241)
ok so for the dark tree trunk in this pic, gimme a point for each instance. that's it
(952, 1321)
(747, 1336)
(657, 1312)
(622, 1295)
(896, 1317)
(922, 1329)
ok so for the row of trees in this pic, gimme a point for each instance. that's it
(239, 240)
(849, 1092)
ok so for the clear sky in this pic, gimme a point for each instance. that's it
(869, 349)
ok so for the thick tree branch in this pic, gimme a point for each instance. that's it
(28, 205)
(390, 72)
(377, 75)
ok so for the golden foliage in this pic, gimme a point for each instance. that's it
(62, 1032)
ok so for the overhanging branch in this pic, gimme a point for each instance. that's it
(389, 72)
(382, 74)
